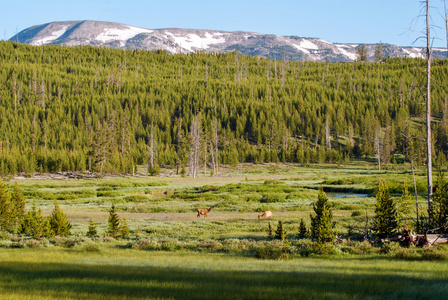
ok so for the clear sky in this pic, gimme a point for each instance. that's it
(341, 21)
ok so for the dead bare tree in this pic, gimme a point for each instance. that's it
(428, 113)
(195, 143)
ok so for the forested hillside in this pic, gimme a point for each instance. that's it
(107, 110)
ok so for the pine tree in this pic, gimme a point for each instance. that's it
(5, 207)
(17, 206)
(35, 224)
(92, 232)
(440, 208)
(114, 222)
(385, 220)
(280, 233)
(125, 228)
(303, 232)
(322, 223)
(59, 224)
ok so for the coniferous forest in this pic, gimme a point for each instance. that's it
(108, 110)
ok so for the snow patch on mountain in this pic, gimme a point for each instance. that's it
(195, 41)
(53, 36)
(120, 34)
(350, 55)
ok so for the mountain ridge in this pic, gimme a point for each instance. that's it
(180, 40)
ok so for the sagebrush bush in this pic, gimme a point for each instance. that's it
(434, 253)
(33, 243)
(352, 247)
(92, 247)
(272, 252)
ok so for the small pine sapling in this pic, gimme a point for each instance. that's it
(280, 233)
(303, 232)
(114, 223)
(92, 232)
(125, 229)
(59, 224)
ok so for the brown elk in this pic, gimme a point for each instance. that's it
(203, 211)
(266, 214)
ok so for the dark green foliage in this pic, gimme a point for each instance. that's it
(280, 233)
(440, 207)
(321, 229)
(385, 221)
(59, 224)
(5, 208)
(154, 170)
(275, 252)
(114, 223)
(92, 232)
(303, 232)
(17, 206)
(81, 108)
(35, 224)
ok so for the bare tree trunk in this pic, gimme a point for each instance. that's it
(378, 146)
(428, 114)
(195, 142)
(151, 148)
(179, 140)
(327, 133)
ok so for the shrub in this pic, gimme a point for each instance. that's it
(272, 252)
(434, 254)
(33, 244)
(407, 254)
(92, 248)
(353, 247)
(136, 198)
(390, 248)
(273, 198)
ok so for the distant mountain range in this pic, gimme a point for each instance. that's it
(175, 40)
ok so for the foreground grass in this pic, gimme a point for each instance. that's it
(125, 273)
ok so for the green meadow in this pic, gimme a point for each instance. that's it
(172, 254)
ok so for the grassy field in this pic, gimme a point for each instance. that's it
(125, 273)
(173, 254)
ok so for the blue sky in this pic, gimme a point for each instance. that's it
(343, 21)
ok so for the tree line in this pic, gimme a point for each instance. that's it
(109, 110)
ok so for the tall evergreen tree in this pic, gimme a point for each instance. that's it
(321, 229)
(92, 232)
(17, 205)
(5, 207)
(35, 224)
(440, 208)
(59, 224)
(385, 221)
(114, 223)
(303, 232)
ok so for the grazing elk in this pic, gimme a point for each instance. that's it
(203, 211)
(266, 214)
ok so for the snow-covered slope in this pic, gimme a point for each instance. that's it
(175, 40)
